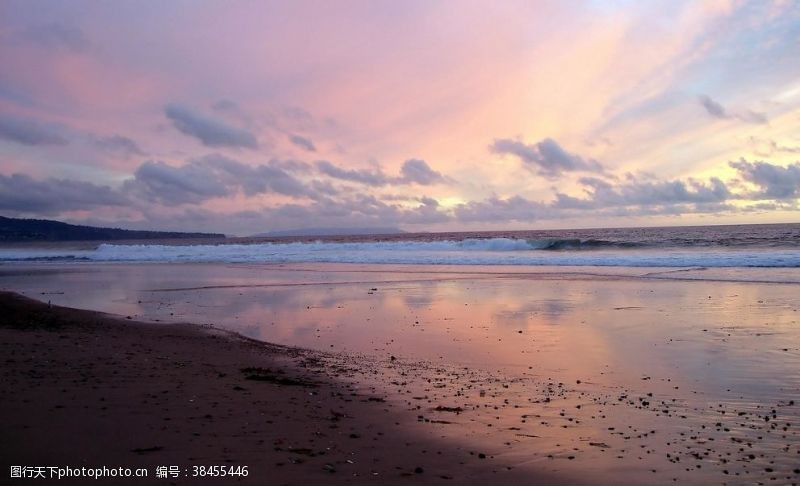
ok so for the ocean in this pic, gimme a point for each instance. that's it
(765, 246)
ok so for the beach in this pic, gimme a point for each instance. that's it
(522, 376)
(88, 390)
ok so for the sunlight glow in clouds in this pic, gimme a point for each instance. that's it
(246, 117)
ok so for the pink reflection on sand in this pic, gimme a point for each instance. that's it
(622, 374)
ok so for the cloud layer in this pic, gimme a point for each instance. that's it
(581, 114)
(20, 193)
(211, 177)
(210, 132)
(317, 200)
(546, 157)
(774, 182)
(716, 110)
(413, 171)
(27, 132)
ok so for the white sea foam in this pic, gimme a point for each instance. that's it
(493, 251)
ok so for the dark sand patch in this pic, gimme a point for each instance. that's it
(82, 388)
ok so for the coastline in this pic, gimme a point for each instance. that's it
(86, 389)
(506, 377)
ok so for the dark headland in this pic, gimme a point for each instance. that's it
(22, 230)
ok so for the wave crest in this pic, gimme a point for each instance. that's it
(488, 251)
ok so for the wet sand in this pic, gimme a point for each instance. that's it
(517, 378)
(85, 389)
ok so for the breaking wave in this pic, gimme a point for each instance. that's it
(470, 251)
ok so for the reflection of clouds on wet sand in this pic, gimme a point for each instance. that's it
(710, 332)
(573, 323)
(551, 310)
(632, 354)
(422, 296)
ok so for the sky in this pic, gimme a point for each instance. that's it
(247, 117)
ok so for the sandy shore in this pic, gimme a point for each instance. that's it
(85, 389)
(401, 375)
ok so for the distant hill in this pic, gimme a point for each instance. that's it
(13, 229)
(330, 232)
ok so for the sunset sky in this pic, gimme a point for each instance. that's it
(245, 117)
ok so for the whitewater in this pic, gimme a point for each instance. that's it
(469, 251)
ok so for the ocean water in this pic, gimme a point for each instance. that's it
(766, 246)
